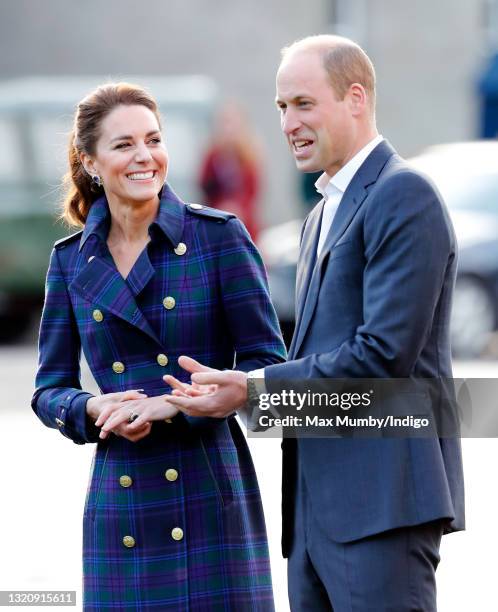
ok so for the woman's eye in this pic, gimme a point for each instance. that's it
(121, 145)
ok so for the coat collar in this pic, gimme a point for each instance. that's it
(98, 280)
(170, 218)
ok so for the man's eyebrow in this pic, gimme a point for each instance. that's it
(294, 100)
(129, 137)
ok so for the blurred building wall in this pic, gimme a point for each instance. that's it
(427, 55)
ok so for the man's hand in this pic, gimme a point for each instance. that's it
(214, 393)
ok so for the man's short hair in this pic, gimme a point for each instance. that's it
(344, 61)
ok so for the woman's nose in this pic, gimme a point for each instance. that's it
(142, 153)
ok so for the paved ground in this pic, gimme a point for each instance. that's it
(44, 477)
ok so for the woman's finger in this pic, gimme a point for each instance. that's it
(138, 422)
(118, 417)
(115, 401)
(138, 435)
(106, 413)
(132, 394)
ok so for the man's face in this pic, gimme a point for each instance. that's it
(319, 128)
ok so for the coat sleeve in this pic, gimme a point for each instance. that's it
(58, 400)
(409, 247)
(251, 318)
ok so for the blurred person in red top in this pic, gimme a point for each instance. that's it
(230, 175)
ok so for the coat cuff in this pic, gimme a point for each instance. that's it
(72, 419)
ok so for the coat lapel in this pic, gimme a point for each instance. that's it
(100, 283)
(352, 200)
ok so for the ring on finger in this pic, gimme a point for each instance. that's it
(133, 416)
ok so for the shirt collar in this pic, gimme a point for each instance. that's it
(170, 218)
(327, 186)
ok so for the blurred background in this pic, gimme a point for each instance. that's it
(212, 68)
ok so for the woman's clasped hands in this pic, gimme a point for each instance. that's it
(129, 413)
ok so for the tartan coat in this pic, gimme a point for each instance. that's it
(174, 521)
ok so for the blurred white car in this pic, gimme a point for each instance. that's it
(466, 174)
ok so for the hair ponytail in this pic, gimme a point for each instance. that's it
(79, 189)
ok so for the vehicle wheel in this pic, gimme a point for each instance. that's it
(473, 317)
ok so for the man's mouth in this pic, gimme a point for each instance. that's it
(301, 146)
(141, 176)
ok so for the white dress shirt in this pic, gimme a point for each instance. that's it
(332, 189)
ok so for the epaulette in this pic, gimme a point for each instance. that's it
(220, 216)
(60, 244)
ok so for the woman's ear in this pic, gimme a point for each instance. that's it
(88, 164)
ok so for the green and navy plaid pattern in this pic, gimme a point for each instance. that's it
(223, 317)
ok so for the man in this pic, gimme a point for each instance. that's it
(363, 518)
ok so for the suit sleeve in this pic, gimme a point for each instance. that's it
(58, 400)
(251, 319)
(409, 245)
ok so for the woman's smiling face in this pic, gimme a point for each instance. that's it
(130, 157)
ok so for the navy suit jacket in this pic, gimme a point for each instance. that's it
(376, 304)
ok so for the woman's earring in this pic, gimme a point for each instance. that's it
(97, 180)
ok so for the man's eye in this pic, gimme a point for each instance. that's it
(156, 140)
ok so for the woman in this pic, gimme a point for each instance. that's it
(230, 174)
(173, 517)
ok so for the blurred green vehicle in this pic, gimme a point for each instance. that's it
(35, 119)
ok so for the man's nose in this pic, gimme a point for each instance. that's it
(290, 122)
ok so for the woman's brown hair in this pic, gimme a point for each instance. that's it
(80, 190)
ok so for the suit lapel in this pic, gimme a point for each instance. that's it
(306, 263)
(353, 198)
(307, 255)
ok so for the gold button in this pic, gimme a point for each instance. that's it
(118, 367)
(162, 360)
(59, 422)
(171, 475)
(169, 302)
(97, 315)
(177, 533)
(129, 541)
(181, 249)
(125, 481)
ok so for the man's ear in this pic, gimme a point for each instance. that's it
(88, 163)
(358, 98)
